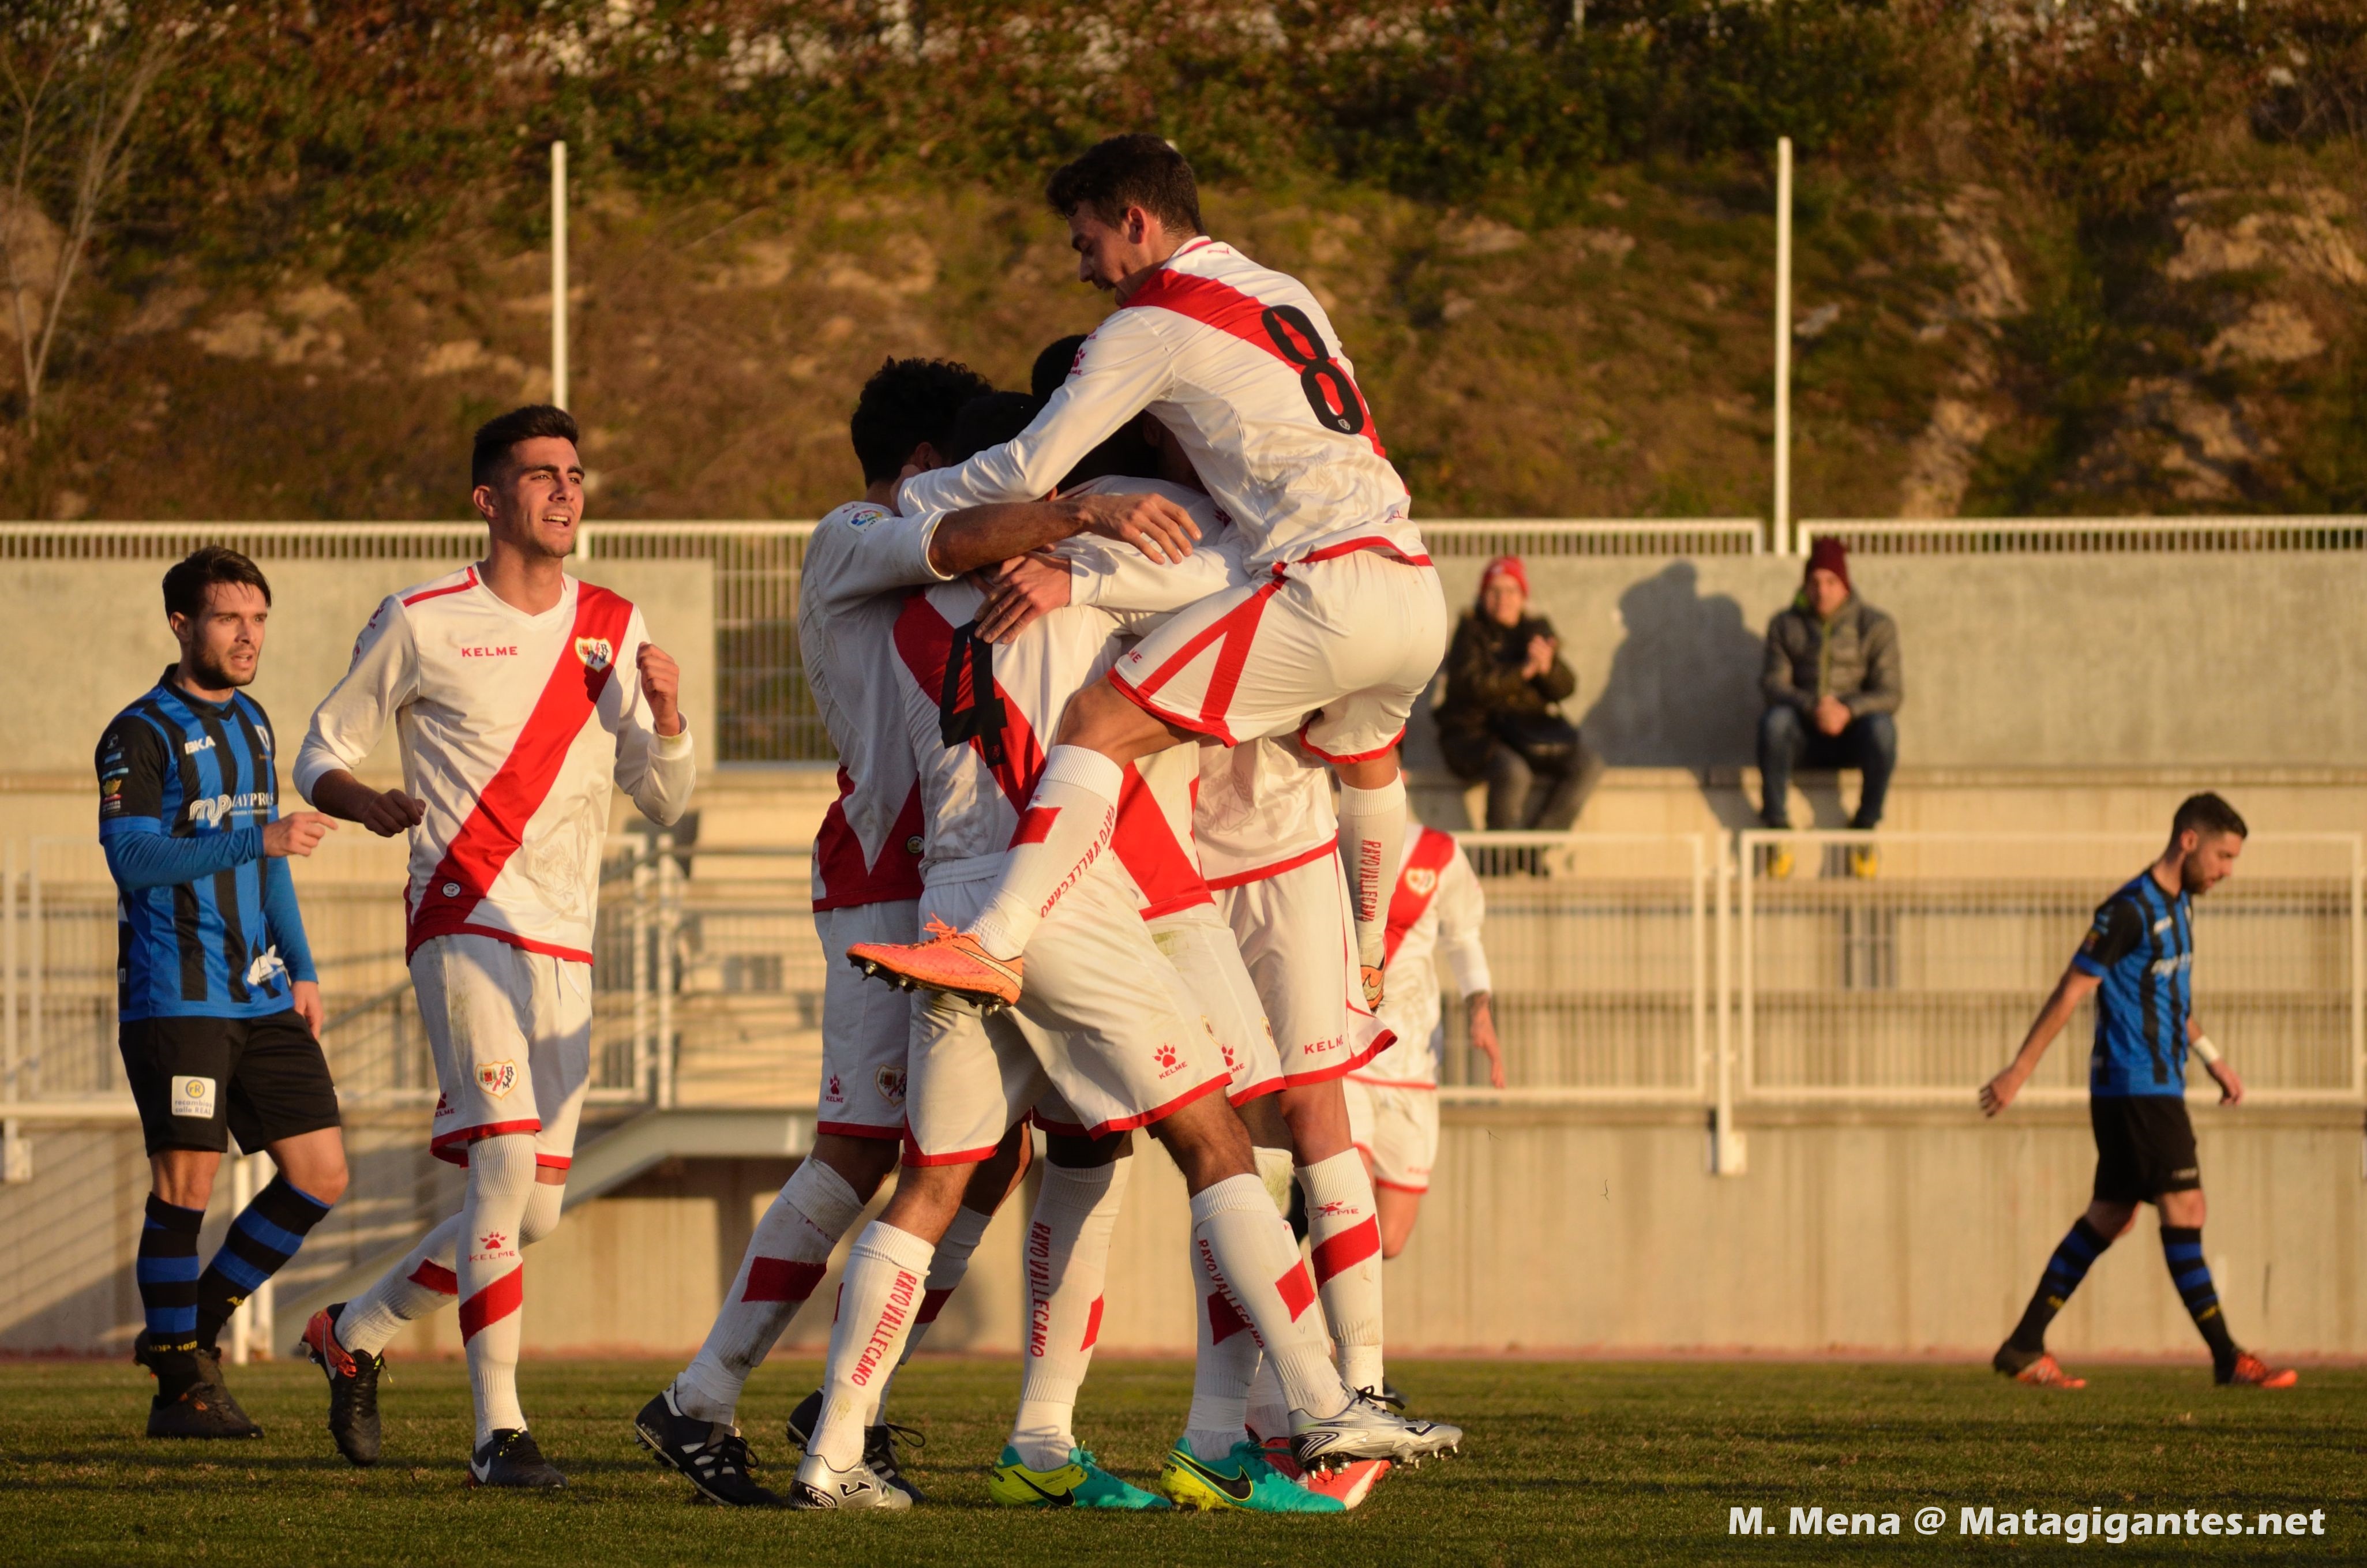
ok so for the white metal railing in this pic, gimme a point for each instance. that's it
(1630, 969)
(1914, 985)
(2085, 536)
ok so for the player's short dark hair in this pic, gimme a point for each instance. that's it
(1051, 367)
(905, 403)
(990, 421)
(1140, 170)
(2209, 815)
(186, 584)
(497, 436)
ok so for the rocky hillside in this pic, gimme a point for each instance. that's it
(1990, 317)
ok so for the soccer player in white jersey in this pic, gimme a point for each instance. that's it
(1435, 913)
(1103, 1037)
(1342, 619)
(858, 569)
(521, 696)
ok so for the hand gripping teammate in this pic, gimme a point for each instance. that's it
(1343, 617)
(219, 1009)
(2138, 961)
(858, 567)
(520, 696)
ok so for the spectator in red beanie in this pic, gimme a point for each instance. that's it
(1832, 683)
(1501, 721)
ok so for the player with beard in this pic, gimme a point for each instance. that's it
(2138, 961)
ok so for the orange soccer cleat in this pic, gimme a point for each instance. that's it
(2046, 1372)
(1349, 1484)
(2250, 1371)
(950, 962)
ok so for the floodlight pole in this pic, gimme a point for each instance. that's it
(1784, 544)
(559, 274)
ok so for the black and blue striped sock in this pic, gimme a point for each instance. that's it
(2181, 1248)
(167, 1273)
(265, 1236)
(2078, 1249)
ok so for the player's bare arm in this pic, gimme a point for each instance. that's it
(982, 535)
(662, 684)
(1479, 1013)
(2223, 1071)
(2074, 987)
(384, 811)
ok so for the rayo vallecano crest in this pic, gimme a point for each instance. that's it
(1420, 880)
(596, 652)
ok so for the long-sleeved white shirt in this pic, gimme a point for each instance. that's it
(513, 728)
(1242, 364)
(1435, 911)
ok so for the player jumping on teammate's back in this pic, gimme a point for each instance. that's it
(2138, 961)
(218, 1008)
(522, 697)
(1343, 617)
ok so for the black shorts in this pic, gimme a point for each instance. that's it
(199, 1082)
(2145, 1147)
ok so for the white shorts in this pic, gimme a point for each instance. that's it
(1396, 1125)
(1297, 939)
(1336, 651)
(511, 1032)
(1206, 954)
(1104, 1037)
(867, 1028)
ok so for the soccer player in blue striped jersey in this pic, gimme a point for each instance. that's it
(218, 1009)
(2138, 961)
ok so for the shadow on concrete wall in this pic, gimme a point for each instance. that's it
(1683, 689)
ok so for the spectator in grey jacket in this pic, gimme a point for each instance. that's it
(1832, 683)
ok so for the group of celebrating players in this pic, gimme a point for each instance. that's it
(1116, 670)
(1092, 658)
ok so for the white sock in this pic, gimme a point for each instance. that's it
(422, 1283)
(1064, 829)
(946, 1272)
(1067, 1261)
(1372, 836)
(877, 1299)
(492, 1273)
(1244, 1248)
(1268, 1410)
(1221, 1371)
(786, 1259)
(1343, 1235)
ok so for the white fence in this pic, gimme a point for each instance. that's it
(2085, 536)
(1629, 970)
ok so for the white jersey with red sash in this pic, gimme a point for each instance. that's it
(1241, 363)
(1435, 911)
(513, 727)
(851, 588)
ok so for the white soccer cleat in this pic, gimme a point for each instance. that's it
(820, 1486)
(1367, 1429)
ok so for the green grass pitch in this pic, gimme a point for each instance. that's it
(1586, 1461)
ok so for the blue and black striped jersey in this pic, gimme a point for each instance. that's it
(2142, 947)
(205, 926)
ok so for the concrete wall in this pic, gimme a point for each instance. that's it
(2029, 662)
(94, 631)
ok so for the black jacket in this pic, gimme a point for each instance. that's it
(1483, 681)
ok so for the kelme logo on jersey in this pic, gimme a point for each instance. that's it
(596, 653)
(1170, 1060)
(497, 1079)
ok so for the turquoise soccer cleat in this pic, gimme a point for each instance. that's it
(1242, 1479)
(1079, 1483)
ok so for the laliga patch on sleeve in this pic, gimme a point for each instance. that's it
(194, 1096)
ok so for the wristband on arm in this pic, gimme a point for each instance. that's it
(2206, 1050)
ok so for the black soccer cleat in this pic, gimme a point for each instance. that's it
(713, 1458)
(202, 1405)
(509, 1457)
(353, 1386)
(879, 1445)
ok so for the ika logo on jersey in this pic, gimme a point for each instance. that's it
(596, 653)
(497, 1079)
